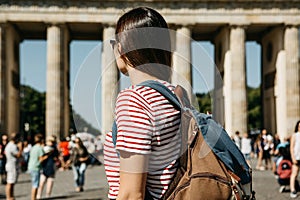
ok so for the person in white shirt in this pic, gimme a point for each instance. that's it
(246, 148)
(13, 151)
(295, 154)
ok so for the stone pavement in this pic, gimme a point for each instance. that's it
(95, 186)
(264, 184)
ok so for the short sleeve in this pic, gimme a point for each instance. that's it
(15, 150)
(40, 152)
(134, 124)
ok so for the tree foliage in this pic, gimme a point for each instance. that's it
(33, 109)
(204, 102)
(254, 108)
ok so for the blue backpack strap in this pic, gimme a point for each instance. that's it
(163, 90)
(114, 132)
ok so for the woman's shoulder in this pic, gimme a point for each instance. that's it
(143, 91)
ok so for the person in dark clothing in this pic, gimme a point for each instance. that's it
(79, 160)
(48, 168)
(4, 141)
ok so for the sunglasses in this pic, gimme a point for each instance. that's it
(113, 43)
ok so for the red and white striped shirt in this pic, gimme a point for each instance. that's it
(147, 124)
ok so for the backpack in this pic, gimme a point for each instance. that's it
(210, 166)
(284, 169)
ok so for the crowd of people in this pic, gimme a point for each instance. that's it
(282, 156)
(41, 159)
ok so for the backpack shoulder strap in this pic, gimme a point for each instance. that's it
(163, 90)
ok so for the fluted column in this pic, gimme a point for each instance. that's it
(221, 42)
(9, 79)
(57, 97)
(109, 79)
(235, 82)
(291, 47)
(182, 71)
(2, 79)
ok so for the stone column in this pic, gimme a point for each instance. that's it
(9, 79)
(221, 42)
(109, 80)
(291, 47)
(57, 97)
(3, 95)
(235, 82)
(182, 71)
(273, 70)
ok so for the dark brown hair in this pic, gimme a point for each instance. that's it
(297, 126)
(80, 143)
(145, 39)
(38, 138)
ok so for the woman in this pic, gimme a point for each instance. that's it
(48, 168)
(142, 163)
(259, 151)
(295, 155)
(79, 160)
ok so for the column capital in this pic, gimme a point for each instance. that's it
(58, 24)
(62, 26)
(108, 25)
(6, 25)
(291, 25)
(242, 26)
(180, 26)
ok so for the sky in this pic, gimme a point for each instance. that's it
(85, 71)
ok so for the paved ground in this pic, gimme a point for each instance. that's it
(264, 184)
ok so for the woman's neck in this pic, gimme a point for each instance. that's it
(137, 76)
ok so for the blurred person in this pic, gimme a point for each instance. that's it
(26, 152)
(283, 166)
(4, 141)
(36, 157)
(267, 151)
(277, 154)
(48, 168)
(13, 151)
(276, 141)
(259, 150)
(64, 149)
(79, 160)
(246, 147)
(237, 139)
(295, 155)
(99, 144)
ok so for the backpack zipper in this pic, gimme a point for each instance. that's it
(202, 175)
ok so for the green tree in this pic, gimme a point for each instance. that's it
(254, 108)
(33, 108)
(204, 102)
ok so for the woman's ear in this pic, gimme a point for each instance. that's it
(119, 48)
